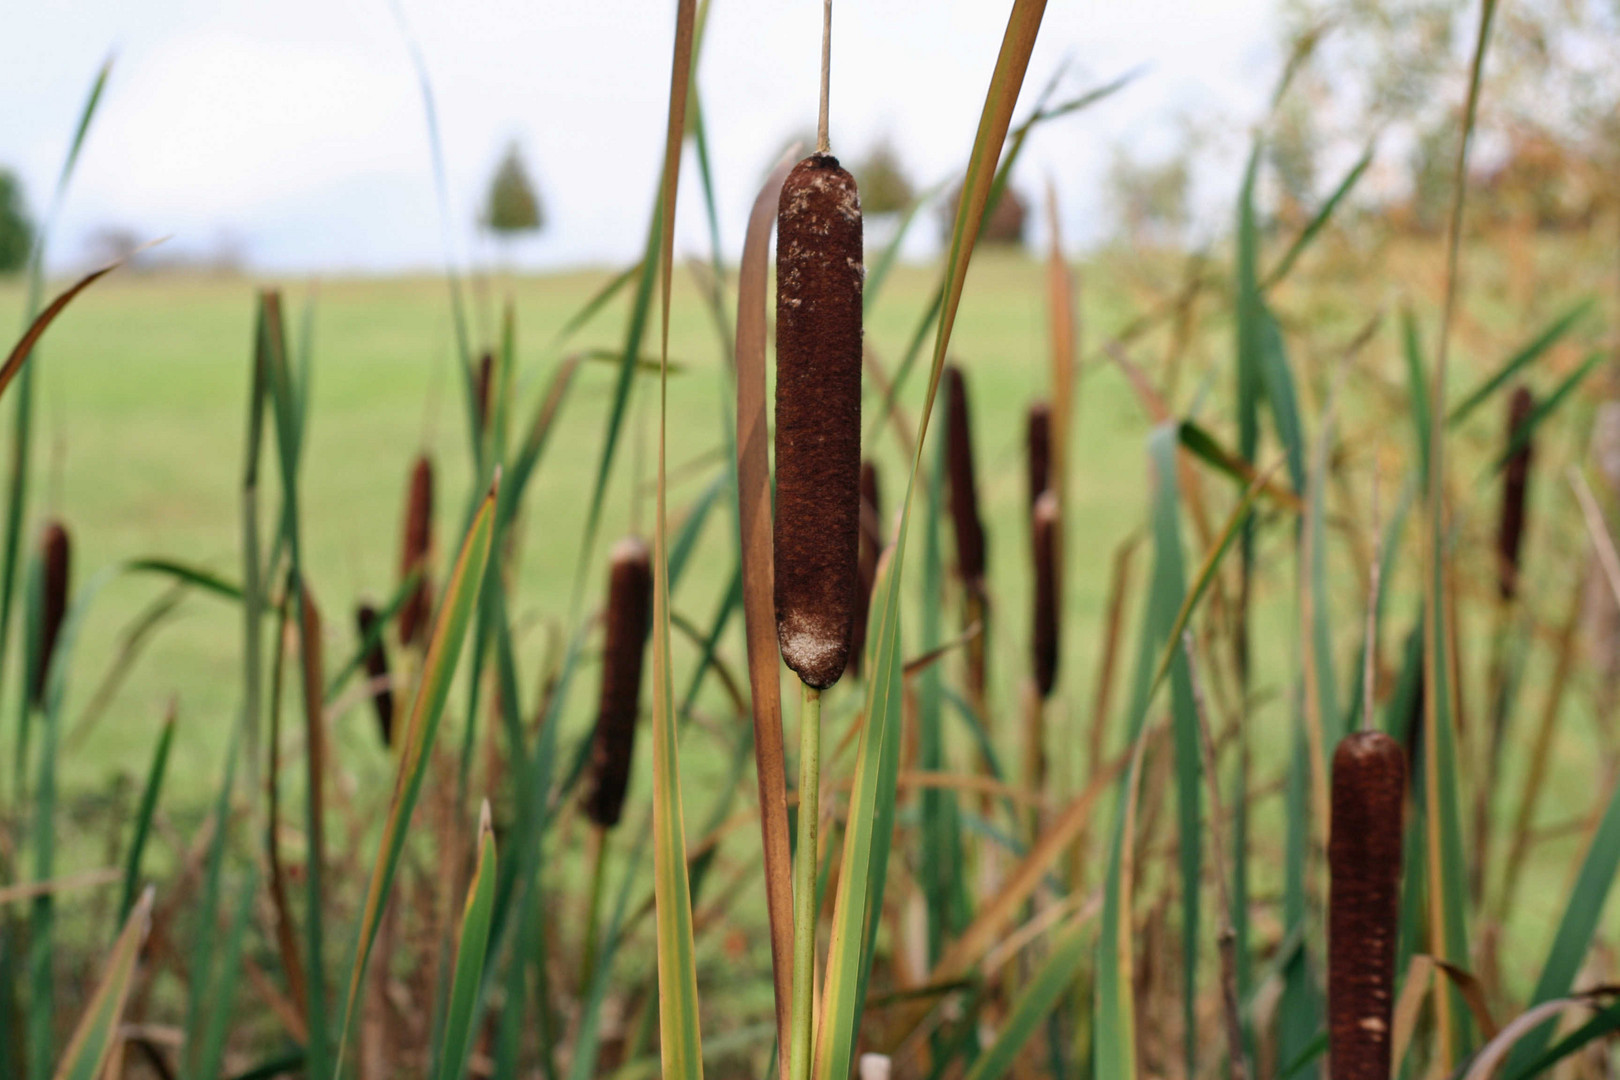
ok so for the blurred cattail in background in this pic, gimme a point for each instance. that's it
(1364, 861)
(1039, 446)
(964, 491)
(966, 523)
(382, 695)
(415, 552)
(871, 546)
(818, 418)
(1515, 482)
(1048, 591)
(486, 378)
(56, 554)
(629, 620)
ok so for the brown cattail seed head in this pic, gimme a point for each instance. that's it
(964, 492)
(818, 417)
(870, 547)
(56, 554)
(629, 619)
(365, 619)
(1039, 443)
(1364, 857)
(1515, 483)
(1047, 544)
(414, 553)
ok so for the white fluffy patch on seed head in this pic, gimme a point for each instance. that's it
(806, 644)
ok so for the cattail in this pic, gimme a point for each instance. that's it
(818, 418)
(1364, 858)
(1515, 481)
(1039, 443)
(56, 556)
(486, 375)
(629, 619)
(1048, 590)
(413, 616)
(871, 547)
(964, 492)
(382, 696)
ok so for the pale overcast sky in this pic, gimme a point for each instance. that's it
(297, 128)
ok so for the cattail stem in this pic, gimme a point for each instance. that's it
(593, 912)
(804, 885)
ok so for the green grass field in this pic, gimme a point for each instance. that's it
(144, 386)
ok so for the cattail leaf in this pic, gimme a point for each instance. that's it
(473, 938)
(227, 980)
(1532, 350)
(1010, 152)
(1197, 440)
(1418, 388)
(1447, 882)
(1576, 929)
(310, 655)
(1281, 397)
(184, 574)
(43, 825)
(24, 348)
(515, 481)
(1319, 220)
(692, 527)
(1605, 1022)
(841, 1000)
(595, 304)
(680, 1033)
(940, 857)
(635, 331)
(1113, 1007)
(844, 981)
(878, 269)
(92, 1042)
(22, 428)
(438, 669)
(1249, 315)
(1548, 405)
(143, 816)
(1162, 625)
(200, 986)
(458, 307)
(758, 562)
(1034, 1003)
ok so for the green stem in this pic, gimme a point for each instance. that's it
(804, 885)
(593, 915)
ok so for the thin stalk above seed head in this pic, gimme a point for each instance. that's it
(819, 276)
(629, 622)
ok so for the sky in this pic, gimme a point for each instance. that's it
(294, 133)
